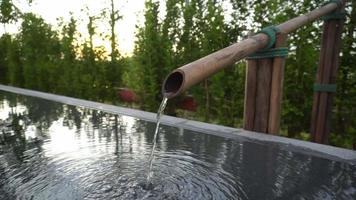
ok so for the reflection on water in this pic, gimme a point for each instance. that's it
(54, 151)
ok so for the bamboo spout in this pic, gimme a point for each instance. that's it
(190, 74)
(184, 77)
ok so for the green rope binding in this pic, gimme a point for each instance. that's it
(337, 2)
(324, 87)
(271, 32)
(335, 16)
(269, 53)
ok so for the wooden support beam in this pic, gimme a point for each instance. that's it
(263, 92)
(277, 88)
(328, 64)
(250, 94)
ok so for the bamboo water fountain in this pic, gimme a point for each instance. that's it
(264, 77)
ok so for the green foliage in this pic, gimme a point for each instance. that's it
(68, 64)
(344, 115)
(8, 12)
(214, 38)
(204, 30)
(114, 17)
(346, 140)
(170, 35)
(11, 63)
(150, 57)
(4, 43)
(39, 49)
(300, 72)
(54, 61)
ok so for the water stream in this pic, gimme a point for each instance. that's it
(152, 156)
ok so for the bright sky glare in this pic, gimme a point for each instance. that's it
(51, 10)
(132, 12)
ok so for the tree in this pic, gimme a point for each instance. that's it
(39, 50)
(148, 56)
(68, 63)
(189, 46)
(8, 12)
(4, 44)
(171, 34)
(237, 28)
(114, 68)
(191, 29)
(91, 82)
(114, 17)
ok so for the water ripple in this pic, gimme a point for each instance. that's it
(86, 154)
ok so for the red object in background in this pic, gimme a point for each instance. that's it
(127, 95)
(188, 103)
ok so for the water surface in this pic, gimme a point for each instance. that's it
(50, 150)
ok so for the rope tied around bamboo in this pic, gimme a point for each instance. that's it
(337, 14)
(339, 3)
(269, 53)
(318, 87)
(271, 32)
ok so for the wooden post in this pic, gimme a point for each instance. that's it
(263, 92)
(277, 88)
(326, 76)
(250, 94)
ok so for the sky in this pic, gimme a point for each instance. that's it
(132, 12)
(51, 10)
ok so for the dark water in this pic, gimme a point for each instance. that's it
(55, 151)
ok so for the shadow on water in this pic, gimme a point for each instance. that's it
(54, 151)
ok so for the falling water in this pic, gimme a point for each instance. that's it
(152, 156)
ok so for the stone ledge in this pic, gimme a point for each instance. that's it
(309, 148)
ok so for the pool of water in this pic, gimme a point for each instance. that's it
(50, 150)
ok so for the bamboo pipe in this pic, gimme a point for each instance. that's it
(190, 74)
